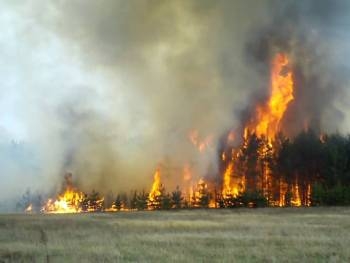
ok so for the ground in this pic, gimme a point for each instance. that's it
(236, 235)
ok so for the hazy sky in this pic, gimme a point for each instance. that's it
(110, 89)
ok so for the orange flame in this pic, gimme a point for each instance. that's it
(199, 192)
(229, 190)
(200, 143)
(268, 117)
(231, 136)
(266, 121)
(308, 195)
(283, 186)
(71, 200)
(187, 176)
(68, 202)
(156, 187)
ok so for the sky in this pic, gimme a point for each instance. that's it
(109, 90)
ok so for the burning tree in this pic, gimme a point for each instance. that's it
(252, 162)
(158, 198)
(92, 202)
(69, 201)
(201, 196)
(258, 164)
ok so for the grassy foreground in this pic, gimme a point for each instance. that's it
(238, 235)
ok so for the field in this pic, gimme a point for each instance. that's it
(237, 235)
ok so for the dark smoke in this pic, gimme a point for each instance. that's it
(310, 32)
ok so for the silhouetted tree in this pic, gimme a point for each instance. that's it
(93, 202)
(133, 201)
(176, 198)
(118, 202)
(142, 201)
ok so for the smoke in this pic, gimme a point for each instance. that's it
(110, 89)
(312, 33)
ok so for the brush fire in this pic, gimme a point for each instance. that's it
(248, 174)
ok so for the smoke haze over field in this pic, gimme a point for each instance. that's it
(110, 89)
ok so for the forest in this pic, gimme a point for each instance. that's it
(309, 170)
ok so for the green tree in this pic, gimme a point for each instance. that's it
(165, 201)
(118, 202)
(142, 201)
(133, 201)
(176, 198)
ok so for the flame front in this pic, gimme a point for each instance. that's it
(71, 200)
(68, 202)
(239, 175)
(268, 117)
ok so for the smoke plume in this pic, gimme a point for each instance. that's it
(110, 89)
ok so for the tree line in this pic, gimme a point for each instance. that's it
(315, 167)
(306, 170)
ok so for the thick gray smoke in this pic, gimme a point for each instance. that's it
(312, 33)
(109, 89)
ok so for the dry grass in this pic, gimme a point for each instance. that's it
(238, 235)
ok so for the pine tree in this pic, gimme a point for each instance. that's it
(118, 203)
(176, 198)
(142, 201)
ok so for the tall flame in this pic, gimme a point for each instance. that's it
(266, 121)
(229, 190)
(156, 187)
(268, 117)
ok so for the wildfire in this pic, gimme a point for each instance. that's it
(200, 143)
(29, 208)
(231, 136)
(71, 200)
(200, 195)
(296, 200)
(268, 117)
(283, 187)
(187, 173)
(265, 122)
(156, 187)
(252, 174)
(228, 190)
(68, 202)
